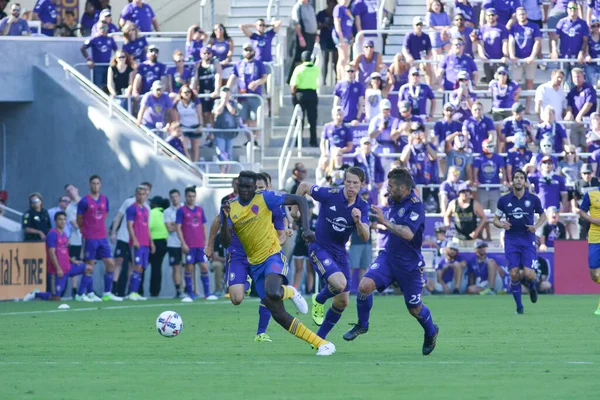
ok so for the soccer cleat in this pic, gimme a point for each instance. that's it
(31, 295)
(249, 280)
(533, 295)
(84, 298)
(298, 300)
(263, 337)
(429, 342)
(597, 312)
(487, 291)
(135, 296)
(318, 311)
(212, 297)
(92, 296)
(456, 291)
(326, 349)
(520, 310)
(355, 332)
(227, 295)
(111, 296)
(187, 299)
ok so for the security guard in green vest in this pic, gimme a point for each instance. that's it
(304, 83)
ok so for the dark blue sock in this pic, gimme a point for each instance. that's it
(532, 284)
(86, 282)
(205, 283)
(426, 321)
(43, 295)
(134, 281)
(108, 282)
(264, 316)
(515, 288)
(327, 293)
(332, 317)
(90, 285)
(363, 308)
(189, 286)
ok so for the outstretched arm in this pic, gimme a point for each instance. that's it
(302, 204)
(225, 229)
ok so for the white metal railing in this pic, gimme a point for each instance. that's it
(15, 214)
(217, 178)
(159, 145)
(294, 135)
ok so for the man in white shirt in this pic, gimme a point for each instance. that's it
(120, 236)
(75, 237)
(173, 242)
(552, 93)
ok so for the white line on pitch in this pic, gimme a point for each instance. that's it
(121, 307)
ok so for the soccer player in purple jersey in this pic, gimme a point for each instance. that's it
(401, 261)
(60, 266)
(92, 211)
(139, 240)
(342, 211)
(192, 229)
(519, 206)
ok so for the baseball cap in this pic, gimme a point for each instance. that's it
(369, 43)
(385, 104)
(452, 245)
(480, 243)
(551, 209)
(152, 47)
(404, 105)
(491, 11)
(546, 159)
(502, 69)
(414, 70)
(205, 49)
(375, 75)
(463, 75)
(305, 56)
(587, 168)
(448, 106)
(464, 187)
(105, 12)
(594, 21)
(418, 20)
(518, 107)
(157, 85)
(247, 45)
(364, 140)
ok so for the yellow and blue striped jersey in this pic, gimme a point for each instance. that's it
(253, 225)
(591, 204)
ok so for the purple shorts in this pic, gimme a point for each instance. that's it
(385, 271)
(238, 268)
(518, 255)
(195, 256)
(76, 269)
(96, 249)
(57, 285)
(326, 264)
(275, 264)
(139, 257)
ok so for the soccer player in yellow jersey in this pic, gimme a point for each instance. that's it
(250, 216)
(589, 211)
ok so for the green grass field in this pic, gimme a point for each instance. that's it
(484, 351)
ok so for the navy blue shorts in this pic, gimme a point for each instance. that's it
(275, 264)
(326, 264)
(96, 249)
(520, 255)
(238, 268)
(195, 256)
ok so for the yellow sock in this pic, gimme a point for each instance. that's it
(287, 292)
(298, 329)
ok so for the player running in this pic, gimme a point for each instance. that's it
(92, 211)
(139, 240)
(191, 230)
(238, 267)
(60, 266)
(250, 216)
(519, 207)
(589, 211)
(342, 211)
(401, 261)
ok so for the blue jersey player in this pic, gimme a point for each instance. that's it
(342, 211)
(519, 207)
(401, 261)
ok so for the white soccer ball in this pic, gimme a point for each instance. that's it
(169, 324)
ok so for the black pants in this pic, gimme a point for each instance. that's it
(156, 261)
(308, 100)
(310, 45)
(329, 55)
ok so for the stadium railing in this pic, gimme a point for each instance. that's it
(158, 144)
(293, 137)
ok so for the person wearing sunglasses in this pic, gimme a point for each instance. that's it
(417, 46)
(466, 9)
(207, 81)
(569, 167)
(368, 62)
(14, 25)
(504, 9)
(141, 14)
(479, 127)
(46, 12)
(262, 39)
(134, 44)
(517, 126)
(221, 46)
(105, 17)
(156, 108)
(505, 93)
(120, 77)
(455, 62)
(417, 94)
(36, 221)
(492, 43)
(552, 130)
(102, 47)
(149, 71)
(460, 30)
(178, 75)
(349, 95)
(549, 186)
(573, 34)
(587, 183)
